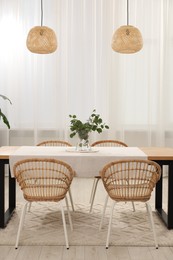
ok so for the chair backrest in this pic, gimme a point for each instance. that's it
(130, 180)
(43, 179)
(109, 143)
(54, 143)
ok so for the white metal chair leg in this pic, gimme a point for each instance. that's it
(94, 193)
(133, 205)
(64, 226)
(29, 206)
(71, 200)
(69, 215)
(103, 213)
(152, 223)
(110, 223)
(22, 217)
(148, 215)
(94, 183)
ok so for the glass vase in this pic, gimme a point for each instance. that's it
(83, 144)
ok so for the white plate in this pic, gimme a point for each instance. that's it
(82, 151)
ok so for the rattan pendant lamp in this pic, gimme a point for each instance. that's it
(41, 39)
(127, 39)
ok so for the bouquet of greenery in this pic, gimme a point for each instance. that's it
(94, 123)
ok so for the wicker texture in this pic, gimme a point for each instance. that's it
(41, 40)
(102, 143)
(58, 143)
(54, 143)
(130, 180)
(43, 179)
(127, 39)
(109, 143)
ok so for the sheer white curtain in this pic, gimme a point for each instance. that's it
(133, 93)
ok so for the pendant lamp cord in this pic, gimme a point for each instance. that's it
(127, 12)
(41, 12)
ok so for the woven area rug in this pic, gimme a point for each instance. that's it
(43, 226)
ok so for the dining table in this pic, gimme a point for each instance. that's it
(86, 164)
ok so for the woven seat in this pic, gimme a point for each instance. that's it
(43, 180)
(130, 180)
(103, 143)
(58, 143)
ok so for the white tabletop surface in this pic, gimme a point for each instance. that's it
(85, 164)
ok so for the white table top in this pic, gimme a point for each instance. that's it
(85, 164)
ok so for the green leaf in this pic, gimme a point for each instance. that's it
(5, 98)
(5, 120)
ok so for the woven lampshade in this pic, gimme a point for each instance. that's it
(42, 40)
(127, 39)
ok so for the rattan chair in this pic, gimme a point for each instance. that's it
(54, 143)
(43, 180)
(103, 143)
(130, 180)
(58, 143)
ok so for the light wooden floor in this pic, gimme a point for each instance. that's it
(81, 190)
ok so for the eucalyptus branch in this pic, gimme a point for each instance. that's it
(94, 123)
